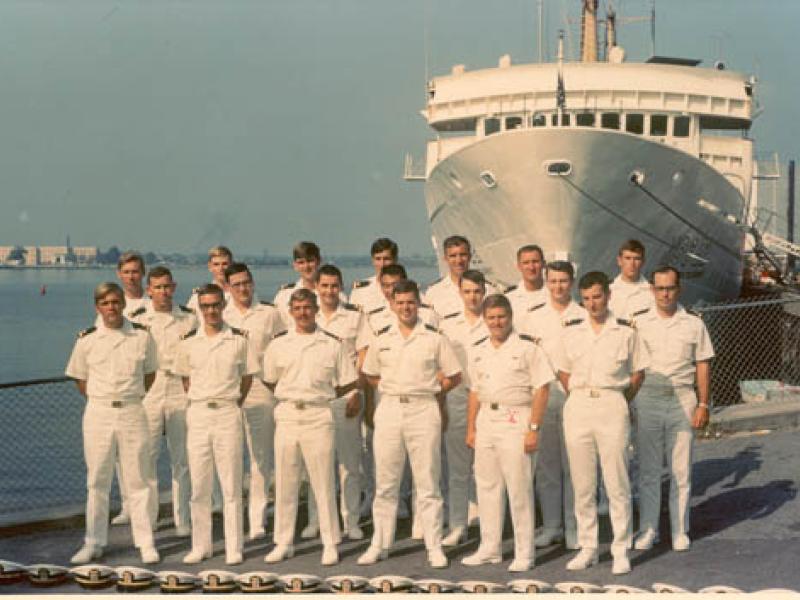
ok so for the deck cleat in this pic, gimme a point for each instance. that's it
(668, 588)
(624, 589)
(11, 572)
(177, 582)
(435, 586)
(579, 587)
(134, 579)
(216, 581)
(93, 577)
(257, 582)
(388, 584)
(720, 589)
(529, 586)
(481, 587)
(45, 575)
(347, 584)
(299, 583)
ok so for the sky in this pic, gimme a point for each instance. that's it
(172, 125)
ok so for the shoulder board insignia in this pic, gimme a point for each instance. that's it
(265, 303)
(329, 334)
(280, 333)
(451, 315)
(348, 306)
(510, 288)
(376, 310)
(573, 322)
(189, 334)
(431, 328)
(360, 283)
(694, 313)
(237, 331)
(480, 341)
(139, 326)
(536, 306)
(383, 330)
(139, 311)
(625, 322)
(423, 305)
(288, 286)
(528, 338)
(640, 312)
(87, 331)
(196, 290)
(185, 309)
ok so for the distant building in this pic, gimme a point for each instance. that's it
(31, 256)
(53, 255)
(5, 251)
(85, 255)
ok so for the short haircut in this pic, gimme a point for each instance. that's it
(330, 271)
(594, 278)
(631, 246)
(303, 295)
(497, 301)
(407, 286)
(106, 288)
(394, 271)
(475, 277)
(307, 251)
(208, 289)
(530, 248)
(159, 271)
(237, 267)
(220, 251)
(456, 240)
(127, 257)
(383, 244)
(562, 266)
(666, 269)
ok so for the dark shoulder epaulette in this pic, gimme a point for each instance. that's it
(376, 310)
(280, 333)
(451, 315)
(625, 322)
(694, 313)
(510, 288)
(185, 309)
(573, 322)
(536, 306)
(423, 305)
(383, 330)
(87, 331)
(348, 306)
(288, 286)
(431, 328)
(480, 341)
(189, 334)
(359, 283)
(237, 331)
(528, 338)
(139, 326)
(328, 333)
(139, 311)
(265, 303)
(196, 290)
(640, 312)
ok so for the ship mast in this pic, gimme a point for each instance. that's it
(589, 31)
(611, 31)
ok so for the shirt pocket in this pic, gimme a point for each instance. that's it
(226, 365)
(682, 346)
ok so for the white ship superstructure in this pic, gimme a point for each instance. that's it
(579, 156)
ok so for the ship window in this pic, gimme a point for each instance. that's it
(609, 121)
(538, 120)
(584, 119)
(513, 122)
(658, 124)
(634, 123)
(564, 120)
(680, 127)
(491, 125)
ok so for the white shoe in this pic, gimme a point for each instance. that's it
(86, 554)
(195, 556)
(583, 560)
(455, 537)
(149, 555)
(234, 558)
(518, 565)
(310, 531)
(183, 531)
(437, 559)
(355, 533)
(122, 518)
(372, 556)
(257, 534)
(279, 553)
(330, 556)
(681, 542)
(645, 540)
(479, 558)
(548, 537)
(621, 565)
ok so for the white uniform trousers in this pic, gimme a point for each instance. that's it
(664, 427)
(304, 436)
(412, 427)
(214, 439)
(552, 482)
(597, 425)
(259, 431)
(502, 465)
(109, 433)
(167, 417)
(459, 458)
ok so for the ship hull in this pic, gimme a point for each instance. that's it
(678, 211)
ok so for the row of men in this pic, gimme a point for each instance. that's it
(493, 388)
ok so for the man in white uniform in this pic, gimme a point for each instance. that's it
(509, 379)
(668, 408)
(601, 363)
(367, 294)
(219, 259)
(413, 366)
(306, 258)
(306, 370)
(463, 329)
(630, 291)
(546, 322)
(217, 366)
(261, 321)
(114, 365)
(166, 403)
(530, 290)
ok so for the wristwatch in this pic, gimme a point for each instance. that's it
(533, 427)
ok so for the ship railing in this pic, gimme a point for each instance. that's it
(414, 168)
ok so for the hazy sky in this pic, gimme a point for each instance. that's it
(174, 125)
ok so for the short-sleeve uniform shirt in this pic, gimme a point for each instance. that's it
(545, 323)
(346, 323)
(383, 316)
(522, 300)
(284, 295)
(463, 336)
(367, 294)
(628, 300)
(445, 298)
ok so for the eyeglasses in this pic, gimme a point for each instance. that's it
(211, 306)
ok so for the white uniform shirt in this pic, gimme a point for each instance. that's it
(603, 360)
(382, 317)
(629, 300)
(445, 297)
(367, 294)
(307, 367)
(408, 366)
(675, 344)
(133, 307)
(510, 373)
(346, 323)
(463, 337)
(283, 296)
(546, 324)
(522, 300)
(215, 365)
(113, 362)
(167, 329)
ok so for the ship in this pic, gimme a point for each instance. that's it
(579, 156)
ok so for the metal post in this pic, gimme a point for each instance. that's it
(790, 259)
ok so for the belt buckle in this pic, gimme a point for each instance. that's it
(116, 404)
(594, 393)
(494, 405)
(300, 405)
(403, 399)
(212, 404)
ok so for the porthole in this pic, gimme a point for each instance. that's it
(558, 168)
(487, 178)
